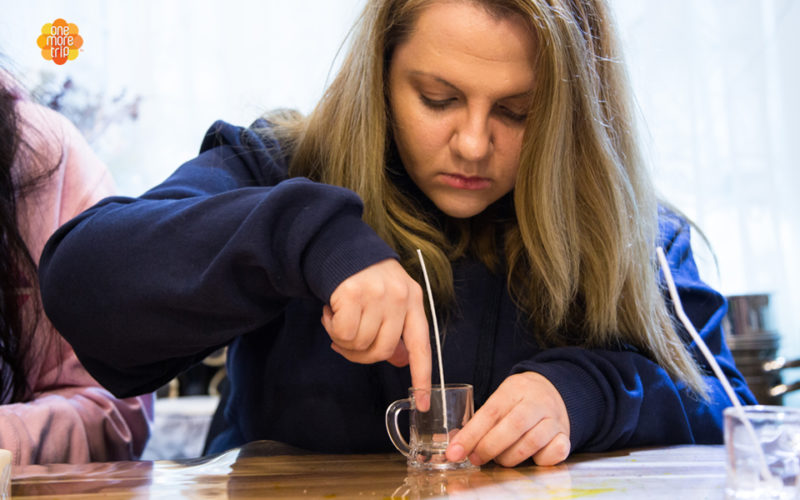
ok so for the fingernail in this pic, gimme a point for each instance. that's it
(475, 459)
(455, 453)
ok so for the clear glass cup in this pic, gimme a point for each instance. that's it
(776, 432)
(429, 431)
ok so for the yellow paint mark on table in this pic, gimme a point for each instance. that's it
(571, 493)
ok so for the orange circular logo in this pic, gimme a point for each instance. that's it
(60, 41)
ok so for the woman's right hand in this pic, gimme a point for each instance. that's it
(378, 314)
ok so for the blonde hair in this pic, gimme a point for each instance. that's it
(579, 246)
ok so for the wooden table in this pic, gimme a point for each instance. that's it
(680, 472)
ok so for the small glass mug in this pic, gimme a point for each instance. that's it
(775, 431)
(430, 433)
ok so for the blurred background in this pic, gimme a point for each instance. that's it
(715, 82)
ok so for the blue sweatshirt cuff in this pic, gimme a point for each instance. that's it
(344, 247)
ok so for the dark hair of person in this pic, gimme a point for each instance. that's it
(18, 274)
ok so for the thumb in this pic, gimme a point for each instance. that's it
(400, 355)
(327, 318)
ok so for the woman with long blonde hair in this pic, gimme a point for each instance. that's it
(495, 136)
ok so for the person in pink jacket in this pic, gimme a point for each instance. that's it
(51, 409)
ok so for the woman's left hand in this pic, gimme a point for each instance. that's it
(525, 417)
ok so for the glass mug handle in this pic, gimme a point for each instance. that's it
(392, 412)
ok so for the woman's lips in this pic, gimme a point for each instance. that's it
(464, 182)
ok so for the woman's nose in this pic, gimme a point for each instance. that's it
(473, 139)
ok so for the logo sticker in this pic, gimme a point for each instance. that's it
(60, 41)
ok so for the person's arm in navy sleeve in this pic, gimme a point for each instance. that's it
(144, 287)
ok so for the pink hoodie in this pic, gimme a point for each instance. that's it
(68, 417)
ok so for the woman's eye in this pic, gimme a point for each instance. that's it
(513, 115)
(436, 103)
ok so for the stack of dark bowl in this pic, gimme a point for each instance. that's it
(755, 348)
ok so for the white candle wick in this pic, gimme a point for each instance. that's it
(438, 342)
(726, 385)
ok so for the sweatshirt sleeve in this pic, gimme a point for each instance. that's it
(144, 287)
(67, 416)
(620, 398)
(71, 419)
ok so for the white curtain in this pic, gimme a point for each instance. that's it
(717, 82)
(189, 61)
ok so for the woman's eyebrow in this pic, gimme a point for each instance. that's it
(418, 73)
(528, 94)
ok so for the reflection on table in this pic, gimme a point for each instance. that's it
(683, 472)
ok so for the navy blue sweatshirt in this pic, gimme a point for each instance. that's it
(230, 251)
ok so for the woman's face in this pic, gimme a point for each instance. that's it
(459, 90)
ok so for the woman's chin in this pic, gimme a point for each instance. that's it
(459, 209)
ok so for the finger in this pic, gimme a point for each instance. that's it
(555, 452)
(352, 355)
(385, 338)
(501, 437)
(389, 345)
(467, 439)
(400, 356)
(417, 343)
(327, 318)
(530, 442)
(372, 325)
(355, 356)
(345, 322)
